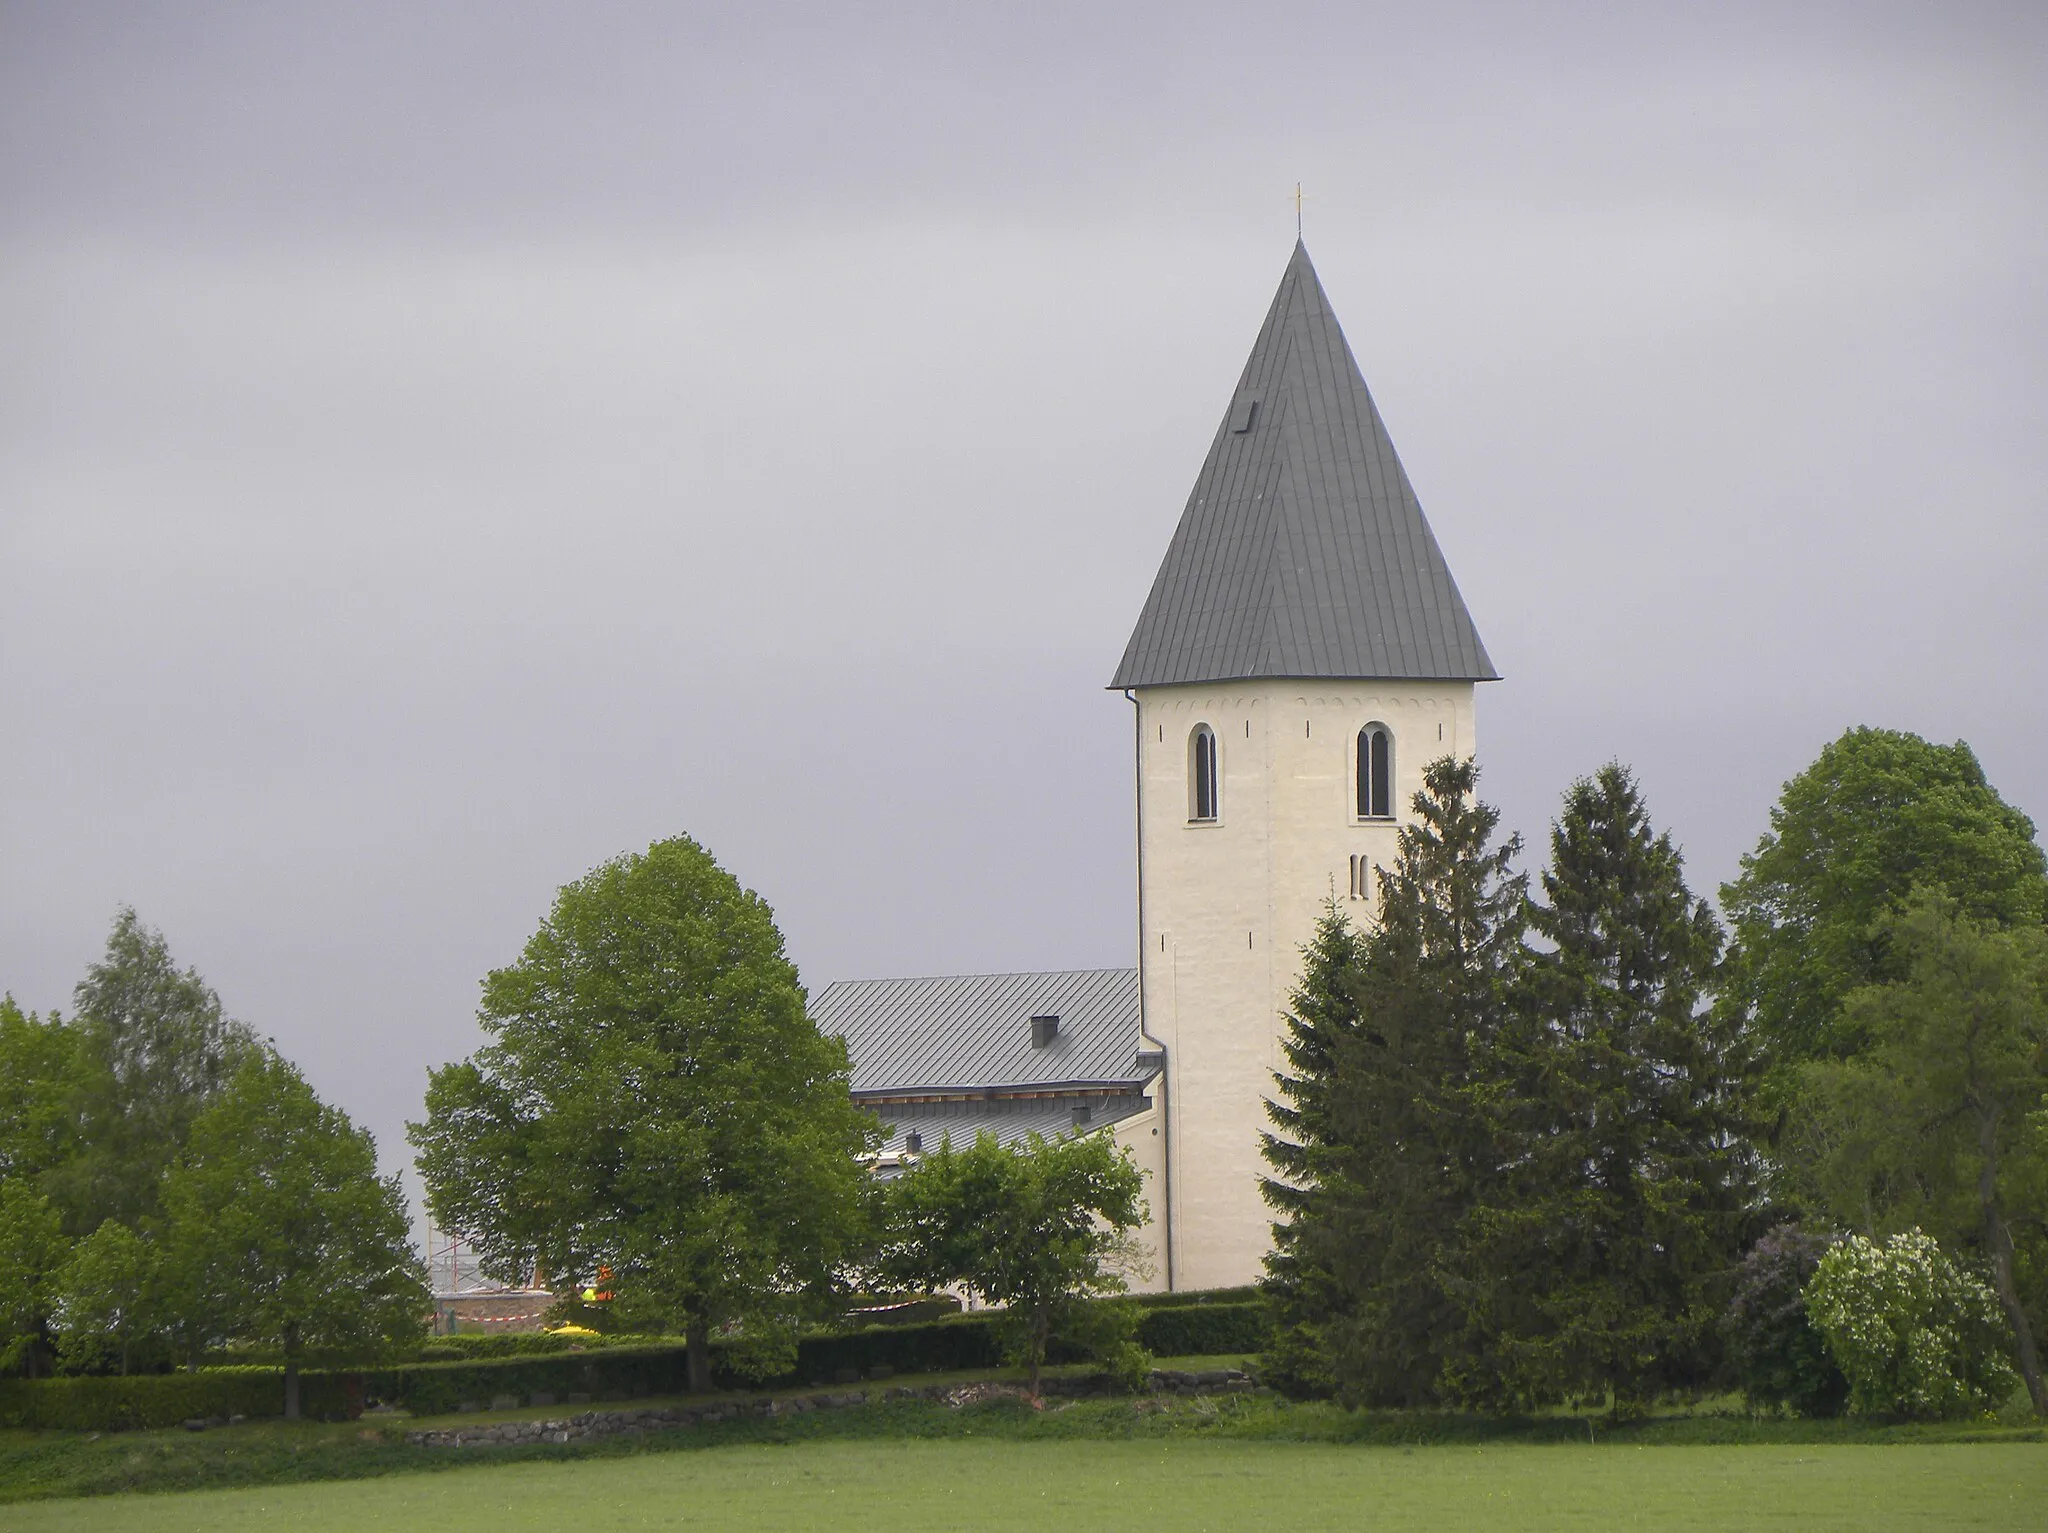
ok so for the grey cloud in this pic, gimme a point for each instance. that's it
(441, 448)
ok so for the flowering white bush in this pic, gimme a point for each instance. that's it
(1914, 1333)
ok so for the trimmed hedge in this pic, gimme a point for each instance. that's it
(1180, 1298)
(606, 1371)
(611, 1372)
(1190, 1330)
(619, 1372)
(465, 1346)
(932, 1346)
(165, 1399)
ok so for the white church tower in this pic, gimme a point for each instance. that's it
(1303, 653)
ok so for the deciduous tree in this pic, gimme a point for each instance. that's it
(279, 1230)
(102, 1299)
(43, 1070)
(1878, 813)
(158, 1046)
(1036, 1227)
(655, 1101)
(1941, 1122)
(32, 1249)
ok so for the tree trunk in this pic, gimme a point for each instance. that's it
(1041, 1331)
(291, 1373)
(1999, 1237)
(697, 1338)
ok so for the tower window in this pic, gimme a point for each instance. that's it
(1202, 773)
(1375, 773)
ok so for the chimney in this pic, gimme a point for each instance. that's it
(1044, 1030)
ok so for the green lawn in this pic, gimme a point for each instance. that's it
(1172, 1483)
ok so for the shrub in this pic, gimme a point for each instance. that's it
(1117, 1334)
(1914, 1334)
(660, 1367)
(1189, 1329)
(611, 1372)
(1181, 1298)
(165, 1399)
(1296, 1362)
(1780, 1359)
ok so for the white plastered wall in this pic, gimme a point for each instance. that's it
(1225, 909)
(1144, 1135)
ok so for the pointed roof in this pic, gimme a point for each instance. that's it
(1303, 550)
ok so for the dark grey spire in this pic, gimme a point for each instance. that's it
(1303, 550)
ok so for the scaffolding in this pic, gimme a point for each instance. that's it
(466, 1300)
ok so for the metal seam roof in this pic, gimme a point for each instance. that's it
(1303, 550)
(972, 1032)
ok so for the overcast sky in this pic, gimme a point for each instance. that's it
(443, 447)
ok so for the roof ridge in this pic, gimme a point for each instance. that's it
(909, 979)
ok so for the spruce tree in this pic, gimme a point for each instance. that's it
(1629, 1184)
(1395, 1103)
(1324, 1013)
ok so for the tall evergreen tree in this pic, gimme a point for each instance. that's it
(1406, 1132)
(1324, 1013)
(1629, 1183)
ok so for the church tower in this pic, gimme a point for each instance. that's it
(1302, 654)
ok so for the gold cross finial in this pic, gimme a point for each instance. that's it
(1297, 210)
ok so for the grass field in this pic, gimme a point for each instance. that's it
(1177, 1483)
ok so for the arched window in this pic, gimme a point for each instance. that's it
(1375, 773)
(1202, 773)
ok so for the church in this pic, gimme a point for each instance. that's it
(1302, 653)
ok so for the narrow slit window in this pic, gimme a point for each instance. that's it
(1375, 773)
(1202, 773)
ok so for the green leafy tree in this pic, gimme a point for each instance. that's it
(1915, 1334)
(158, 1046)
(1036, 1228)
(1877, 813)
(43, 1070)
(657, 1102)
(279, 1230)
(1596, 1263)
(1406, 1137)
(1942, 1121)
(103, 1299)
(32, 1249)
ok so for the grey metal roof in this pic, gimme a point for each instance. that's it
(1008, 1119)
(1303, 550)
(972, 1032)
